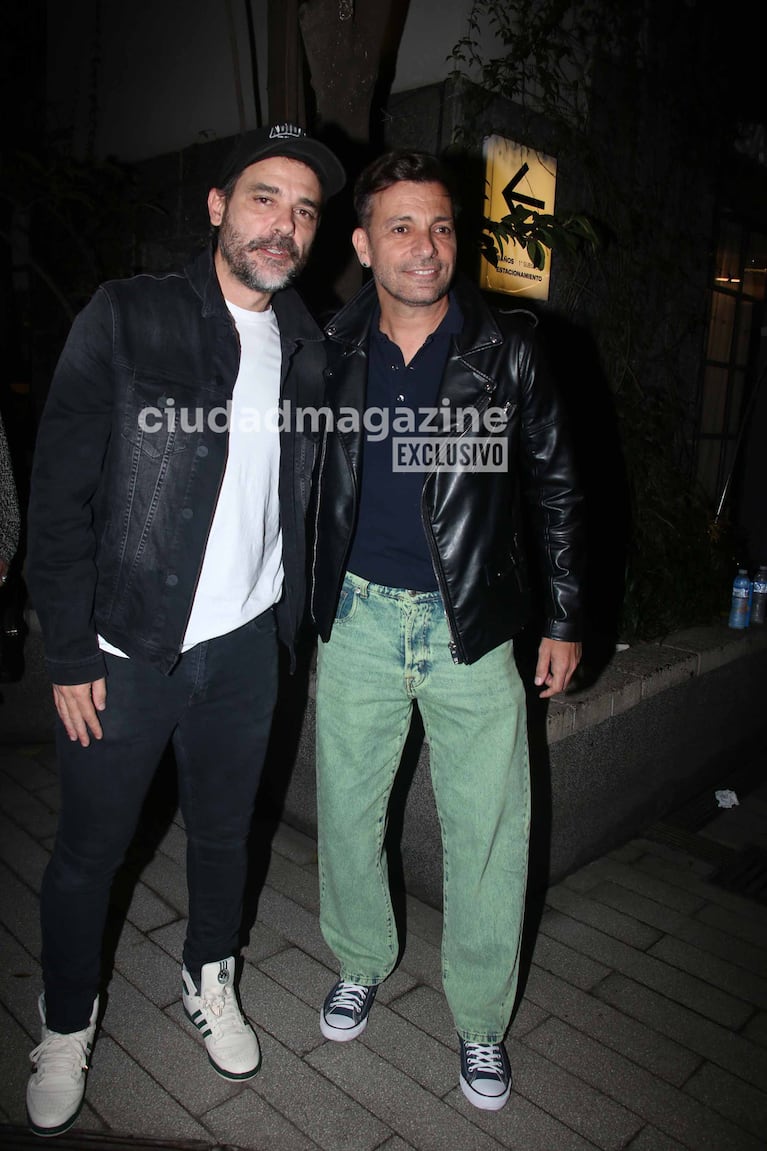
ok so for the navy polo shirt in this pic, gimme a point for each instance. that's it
(389, 545)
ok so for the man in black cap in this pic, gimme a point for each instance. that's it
(166, 556)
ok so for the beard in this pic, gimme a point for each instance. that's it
(258, 276)
(413, 294)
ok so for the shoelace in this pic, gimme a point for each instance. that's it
(348, 997)
(63, 1055)
(484, 1057)
(223, 1007)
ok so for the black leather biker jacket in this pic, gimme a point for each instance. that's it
(470, 515)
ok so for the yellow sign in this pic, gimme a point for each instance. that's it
(517, 175)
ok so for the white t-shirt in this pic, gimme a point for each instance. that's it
(242, 572)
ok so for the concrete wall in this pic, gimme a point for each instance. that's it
(658, 724)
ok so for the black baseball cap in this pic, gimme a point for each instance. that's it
(285, 140)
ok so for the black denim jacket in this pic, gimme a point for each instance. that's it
(122, 503)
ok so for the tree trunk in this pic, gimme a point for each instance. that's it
(285, 88)
(351, 49)
(344, 42)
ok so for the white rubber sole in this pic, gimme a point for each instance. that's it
(485, 1102)
(341, 1034)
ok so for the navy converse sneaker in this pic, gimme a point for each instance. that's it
(229, 1039)
(345, 1012)
(485, 1074)
(57, 1085)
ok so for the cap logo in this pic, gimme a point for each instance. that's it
(286, 132)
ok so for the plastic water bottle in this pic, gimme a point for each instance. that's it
(741, 600)
(759, 595)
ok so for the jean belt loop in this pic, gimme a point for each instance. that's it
(363, 591)
(361, 586)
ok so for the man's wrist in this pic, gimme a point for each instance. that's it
(68, 673)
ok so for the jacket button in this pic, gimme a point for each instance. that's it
(186, 513)
(202, 450)
(171, 580)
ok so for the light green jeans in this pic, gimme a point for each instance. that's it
(389, 648)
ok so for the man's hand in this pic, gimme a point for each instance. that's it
(557, 660)
(77, 705)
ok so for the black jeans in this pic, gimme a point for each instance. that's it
(216, 707)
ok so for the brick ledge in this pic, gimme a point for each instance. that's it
(644, 670)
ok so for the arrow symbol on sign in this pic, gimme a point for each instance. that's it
(521, 173)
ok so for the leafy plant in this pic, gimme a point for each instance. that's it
(679, 566)
(535, 232)
(548, 45)
(628, 94)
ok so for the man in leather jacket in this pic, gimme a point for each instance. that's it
(166, 552)
(439, 412)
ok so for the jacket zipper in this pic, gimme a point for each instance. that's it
(456, 648)
(342, 572)
(318, 499)
(318, 503)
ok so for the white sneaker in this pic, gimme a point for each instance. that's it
(57, 1085)
(230, 1041)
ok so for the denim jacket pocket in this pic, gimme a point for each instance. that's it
(156, 419)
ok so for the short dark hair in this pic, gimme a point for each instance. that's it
(395, 168)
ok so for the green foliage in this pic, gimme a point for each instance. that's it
(539, 46)
(679, 566)
(547, 46)
(536, 232)
(624, 92)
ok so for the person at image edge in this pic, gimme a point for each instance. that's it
(166, 555)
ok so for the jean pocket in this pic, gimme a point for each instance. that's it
(347, 602)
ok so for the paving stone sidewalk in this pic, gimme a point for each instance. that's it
(643, 1023)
